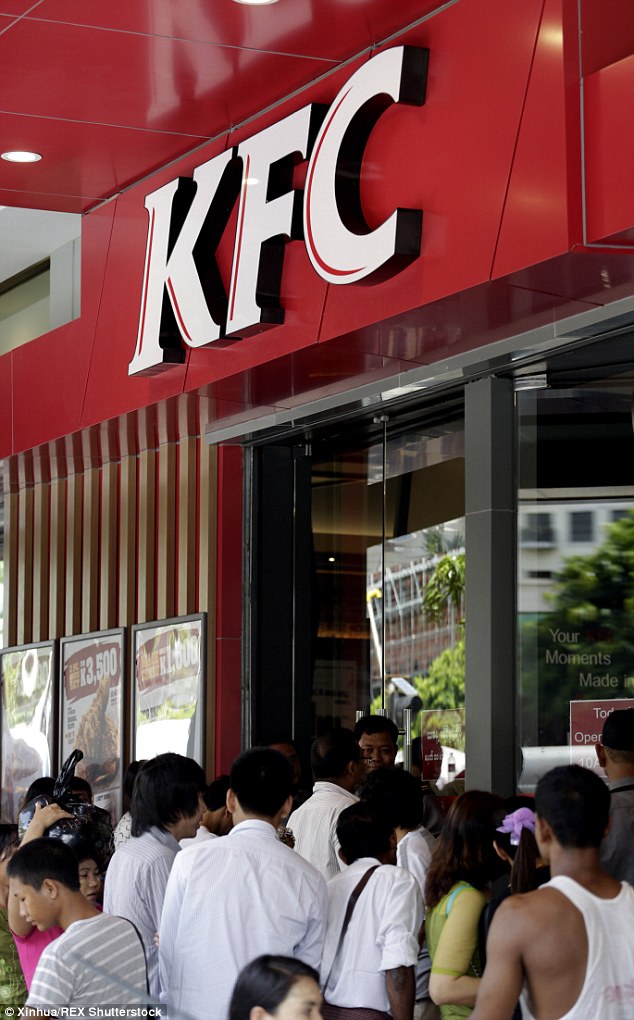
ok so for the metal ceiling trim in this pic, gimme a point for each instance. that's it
(514, 355)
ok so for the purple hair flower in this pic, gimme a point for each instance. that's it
(523, 818)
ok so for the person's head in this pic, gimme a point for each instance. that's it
(8, 846)
(168, 794)
(89, 869)
(377, 736)
(81, 789)
(260, 785)
(572, 805)
(364, 831)
(515, 842)
(285, 745)
(216, 817)
(335, 757)
(128, 782)
(616, 748)
(42, 787)
(465, 851)
(42, 874)
(276, 986)
(398, 795)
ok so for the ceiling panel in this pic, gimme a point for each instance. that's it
(109, 92)
(329, 29)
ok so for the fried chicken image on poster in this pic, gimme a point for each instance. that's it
(92, 713)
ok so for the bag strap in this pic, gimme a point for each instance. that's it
(458, 889)
(622, 789)
(354, 896)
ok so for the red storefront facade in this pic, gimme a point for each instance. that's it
(520, 160)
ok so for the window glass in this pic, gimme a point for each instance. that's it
(575, 583)
(388, 538)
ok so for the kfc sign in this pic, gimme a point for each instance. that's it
(184, 300)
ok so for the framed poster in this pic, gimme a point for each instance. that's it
(92, 669)
(27, 675)
(169, 687)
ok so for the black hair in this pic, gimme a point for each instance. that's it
(8, 837)
(363, 831)
(396, 794)
(45, 858)
(331, 753)
(84, 849)
(42, 787)
(525, 854)
(266, 982)
(166, 789)
(376, 724)
(262, 780)
(77, 784)
(215, 796)
(128, 782)
(576, 804)
(279, 737)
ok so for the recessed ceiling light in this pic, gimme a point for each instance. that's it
(21, 157)
(255, 3)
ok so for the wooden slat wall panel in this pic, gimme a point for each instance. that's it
(41, 559)
(146, 537)
(108, 562)
(25, 567)
(74, 521)
(57, 572)
(90, 552)
(187, 522)
(207, 529)
(166, 532)
(99, 546)
(127, 541)
(11, 559)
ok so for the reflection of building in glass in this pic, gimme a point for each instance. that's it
(413, 639)
(550, 532)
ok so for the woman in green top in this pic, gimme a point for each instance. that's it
(463, 865)
(12, 984)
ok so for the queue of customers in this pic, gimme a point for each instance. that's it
(248, 899)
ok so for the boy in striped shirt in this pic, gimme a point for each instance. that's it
(99, 959)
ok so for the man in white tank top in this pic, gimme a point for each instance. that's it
(567, 949)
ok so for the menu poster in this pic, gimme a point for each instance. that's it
(92, 667)
(169, 671)
(27, 674)
(443, 745)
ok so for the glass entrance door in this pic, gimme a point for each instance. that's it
(389, 564)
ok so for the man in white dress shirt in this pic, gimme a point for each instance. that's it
(398, 797)
(372, 968)
(232, 899)
(338, 767)
(166, 806)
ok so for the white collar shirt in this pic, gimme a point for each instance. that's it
(202, 834)
(414, 853)
(314, 826)
(382, 934)
(135, 887)
(229, 900)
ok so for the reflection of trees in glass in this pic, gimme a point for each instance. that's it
(585, 645)
(445, 587)
(443, 685)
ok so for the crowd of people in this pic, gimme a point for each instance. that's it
(249, 898)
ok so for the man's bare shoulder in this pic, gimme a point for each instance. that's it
(531, 912)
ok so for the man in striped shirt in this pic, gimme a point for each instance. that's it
(99, 959)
